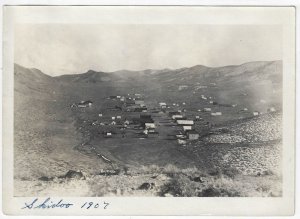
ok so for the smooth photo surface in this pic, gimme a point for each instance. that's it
(171, 107)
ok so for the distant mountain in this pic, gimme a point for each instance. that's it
(90, 76)
(251, 71)
(23, 74)
(32, 83)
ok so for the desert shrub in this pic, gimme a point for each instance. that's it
(231, 172)
(218, 192)
(99, 189)
(169, 168)
(172, 187)
(179, 186)
(222, 187)
(151, 169)
(190, 171)
(215, 172)
(268, 173)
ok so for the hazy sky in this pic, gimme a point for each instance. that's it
(69, 48)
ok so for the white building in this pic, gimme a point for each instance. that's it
(182, 142)
(272, 109)
(177, 116)
(163, 105)
(216, 114)
(207, 109)
(187, 127)
(119, 117)
(255, 113)
(192, 135)
(149, 125)
(185, 122)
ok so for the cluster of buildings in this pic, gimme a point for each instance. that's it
(187, 127)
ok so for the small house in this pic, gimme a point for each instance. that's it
(193, 135)
(163, 105)
(149, 125)
(207, 109)
(119, 117)
(139, 102)
(84, 104)
(181, 142)
(198, 118)
(113, 118)
(187, 128)
(203, 97)
(255, 113)
(118, 97)
(108, 134)
(177, 116)
(216, 114)
(100, 115)
(180, 136)
(245, 109)
(113, 123)
(185, 122)
(272, 109)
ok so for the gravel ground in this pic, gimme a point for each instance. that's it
(251, 146)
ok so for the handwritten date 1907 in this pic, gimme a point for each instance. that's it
(50, 204)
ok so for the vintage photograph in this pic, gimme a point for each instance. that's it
(148, 110)
(108, 110)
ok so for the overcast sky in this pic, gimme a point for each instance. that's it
(75, 48)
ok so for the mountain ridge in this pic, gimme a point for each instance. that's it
(193, 69)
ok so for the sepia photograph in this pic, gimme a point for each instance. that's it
(107, 110)
(147, 109)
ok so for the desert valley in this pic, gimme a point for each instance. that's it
(196, 131)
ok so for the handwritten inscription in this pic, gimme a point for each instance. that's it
(48, 203)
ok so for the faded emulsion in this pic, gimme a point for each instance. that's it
(198, 115)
